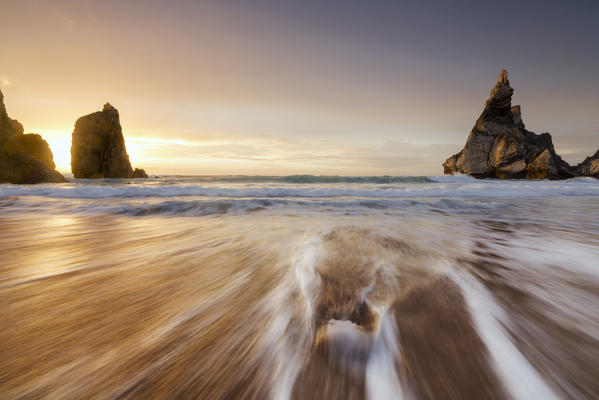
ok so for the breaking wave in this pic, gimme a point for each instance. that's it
(456, 186)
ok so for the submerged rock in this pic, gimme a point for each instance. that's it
(98, 147)
(24, 158)
(499, 146)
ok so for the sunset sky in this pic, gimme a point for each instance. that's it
(291, 87)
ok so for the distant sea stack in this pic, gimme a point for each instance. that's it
(499, 146)
(24, 158)
(98, 147)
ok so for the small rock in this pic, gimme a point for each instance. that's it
(139, 173)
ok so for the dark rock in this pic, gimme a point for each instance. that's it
(34, 145)
(8, 127)
(139, 173)
(98, 147)
(24, 169)
(499, 146)
(24, 158)
(590, 166)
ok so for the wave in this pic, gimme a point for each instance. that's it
(205, 207)
(451, 187)
(300, 179)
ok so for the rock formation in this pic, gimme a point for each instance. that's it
(98, 147)
(24, 158)
(499, 146)
(590, 166)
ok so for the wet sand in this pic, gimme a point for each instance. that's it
(300, 305)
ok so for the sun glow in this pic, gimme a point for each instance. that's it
(61, 150)
(137, 149)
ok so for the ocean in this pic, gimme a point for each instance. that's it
(300, 287)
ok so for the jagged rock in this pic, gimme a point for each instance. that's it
(8, 127)
(24, 158)
(590, 166)
(499, 146)
(98, 147)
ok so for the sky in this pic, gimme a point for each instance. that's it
(299, 87)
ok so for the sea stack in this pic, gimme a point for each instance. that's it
(24, 158)
(98, 147)
(499, 146)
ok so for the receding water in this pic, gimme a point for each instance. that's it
(300, 287)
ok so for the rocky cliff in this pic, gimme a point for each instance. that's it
(590, 166)
(24, 158)
(499, 146)
(98, 147)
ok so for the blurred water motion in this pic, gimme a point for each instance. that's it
(240, 289)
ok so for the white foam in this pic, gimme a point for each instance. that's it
(287, 347)
(518, 375)
(304, 262)
(555, 271)
(381, 373)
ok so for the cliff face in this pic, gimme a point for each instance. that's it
(499, 146)
(98, 147)
(24, 158)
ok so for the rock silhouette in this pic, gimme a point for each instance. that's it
(24, 158)
(499, 146)
(98, 147)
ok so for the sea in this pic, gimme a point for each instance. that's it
(300, 287)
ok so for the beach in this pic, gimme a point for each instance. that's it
(300, 287)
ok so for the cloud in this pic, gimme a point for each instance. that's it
(6, 81)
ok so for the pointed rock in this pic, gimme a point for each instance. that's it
(499, 146)
(98, 147)
(499, 105)
(109, 107)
